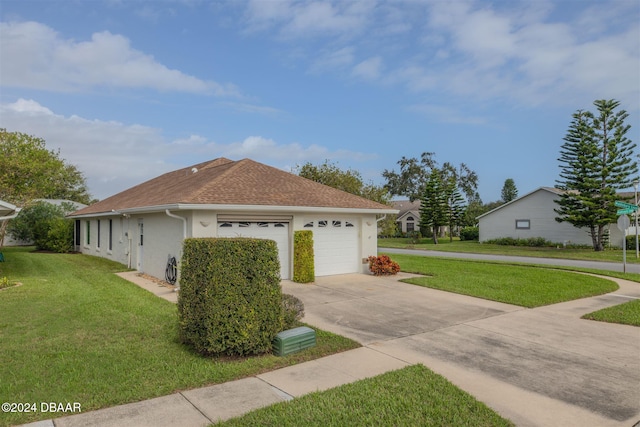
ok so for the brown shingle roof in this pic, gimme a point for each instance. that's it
(226, 182)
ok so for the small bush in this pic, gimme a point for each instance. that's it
(631, 242)
(293, 311)
(470, 233)
(383, 266)
(303, 258)
(414, 236)
(4, 282)
(531, 242)
(230, 300)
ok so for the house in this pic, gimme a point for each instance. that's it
(8, 211)
(408, 215)
(533, 215)
(144, 226)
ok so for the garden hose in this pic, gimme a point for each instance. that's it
(171, 272)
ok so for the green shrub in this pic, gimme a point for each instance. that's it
(414, 236)
(383, 266)
(44, 224)
(292, 310)
(230, 300)
(531, 242)
(4, 282)
(303, 258)
(59, 237)
(631, 242)
(470, 233)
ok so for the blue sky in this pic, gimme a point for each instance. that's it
(131, 89)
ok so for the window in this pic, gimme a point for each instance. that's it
(263, 224)
(88, 233)
(309, 224)
(98, 242)
(110, 234)
(336, 223)
(523, 224)
(279, 224)
(322, 223)
(348, 224)
(226, 224)
(77, 237)
(244, 224)
(410, 226)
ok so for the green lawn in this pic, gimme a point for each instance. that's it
(526, 286)
(609, 255)
(626, 314)
(413, 396)
(74, 332)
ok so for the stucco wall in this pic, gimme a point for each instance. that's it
(163, 235)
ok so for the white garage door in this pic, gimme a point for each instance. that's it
(335, 245)
(277, 231)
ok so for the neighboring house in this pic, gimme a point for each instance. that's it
(408, 215)
(145, 225)
(533, 215)
(8, 211)
(9, 240)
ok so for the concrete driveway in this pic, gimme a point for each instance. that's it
(537, 367)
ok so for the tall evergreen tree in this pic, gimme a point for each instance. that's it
(509, 190)
(455, 209)
(595, 161)
(433, 206)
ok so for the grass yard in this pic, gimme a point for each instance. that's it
(626, 314)
(413, 396)
(609, 255)
(526, 286)
(75, 332)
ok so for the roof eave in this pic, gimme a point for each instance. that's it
(227, 208)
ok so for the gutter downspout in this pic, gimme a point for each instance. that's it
(183, 219)
(184, 230)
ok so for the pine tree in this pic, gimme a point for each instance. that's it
(509, 190)
(595, 161)
(433, 204)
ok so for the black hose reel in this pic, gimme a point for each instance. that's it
(171, 272)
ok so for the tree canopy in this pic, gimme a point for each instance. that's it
(28, 170)
(596, 159)
(414, 175)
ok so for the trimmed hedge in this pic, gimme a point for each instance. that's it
(230, 299)
(303, 258)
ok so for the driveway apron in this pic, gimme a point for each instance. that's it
(537, 367)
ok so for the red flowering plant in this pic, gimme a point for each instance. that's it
(383, 265)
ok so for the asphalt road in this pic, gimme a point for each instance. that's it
(611, 266)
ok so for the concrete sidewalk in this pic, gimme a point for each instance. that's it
(207, 405)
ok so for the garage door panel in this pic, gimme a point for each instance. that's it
(335, 245)
(278, 232)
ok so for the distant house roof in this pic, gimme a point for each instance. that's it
(406, 206)
(622, 195)
(224, 182)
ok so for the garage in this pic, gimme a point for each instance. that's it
(272, 230)
(335, 245)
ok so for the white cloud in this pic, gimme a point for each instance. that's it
(309, 19)
(369, 69)
(333, 60)
(115, 156)
(33, 55)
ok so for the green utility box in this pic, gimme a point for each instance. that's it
(293, 340)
